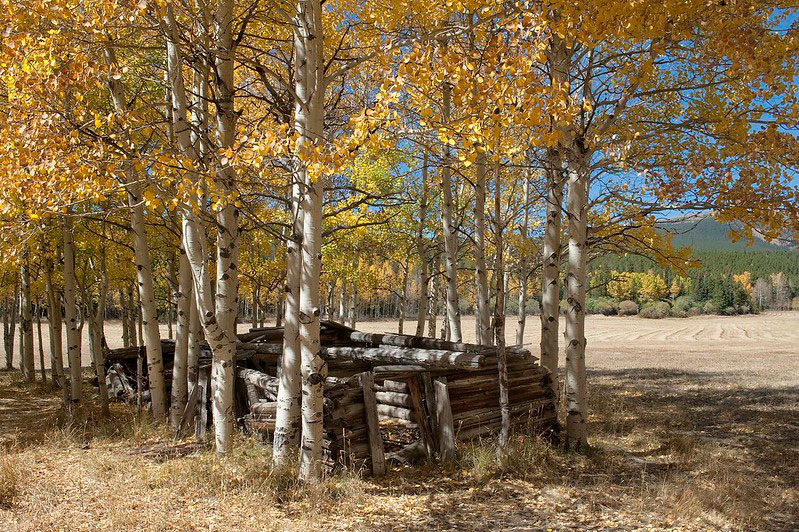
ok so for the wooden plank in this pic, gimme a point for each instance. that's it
(429, 396)
(188, 412)
(201, 416)
(446, 426)
(436, 358)
(421, 416)
(372, 425)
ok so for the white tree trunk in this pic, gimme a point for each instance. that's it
(449, 230)
(558, 59)
(144, 269)
(342, 302)
(217, 315)
(352, 311)
(434, 290)
(149, 312)
(288, 423)
(482, 293)
(577, 212)
(309, 90)
(195, 337)
(522, 314)
(26, 322)
(499, 314)
(185, 301)
(71, 314)
(421, 250)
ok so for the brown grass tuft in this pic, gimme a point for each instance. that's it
(9, 482)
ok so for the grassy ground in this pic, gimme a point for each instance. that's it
(713, 445)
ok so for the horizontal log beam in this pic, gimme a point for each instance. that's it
(398, 355)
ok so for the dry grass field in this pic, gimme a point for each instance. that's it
(694, 424)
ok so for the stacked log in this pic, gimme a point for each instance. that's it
(346, 441)
(474, 399)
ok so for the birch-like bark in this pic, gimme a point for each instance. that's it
(135, 337)
(288, 422)
(184, 295)
(217, 318)
(26, 322)
(309, 88)
(10, 325)
(404, 294)
(421, 249)
(71, 314)
(123, 304)
(38, 315)
(575, 387)
(144, 269)
(227, 285)
(482, 291)
(342, 302)
(434, 289)
(521, 319)
(558, 58)
(448, 227)
(96, 319)
(149, 313)
(550, 274)
(53, 299)
(195, 337)
(499, 314)
(352, 311)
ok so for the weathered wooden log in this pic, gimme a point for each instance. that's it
(255, 424)
(266, 383)
(543, 421)
(470, 379)
(396, 412)
(394, 398)
(346, 412)
(397, 372)
(393, 386)
(264, 408)
(399, 355)
(413, 452)
(479, 415)
(515, 397)
(263, 334)
(253, 396)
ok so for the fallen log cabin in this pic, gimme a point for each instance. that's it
(431, 392)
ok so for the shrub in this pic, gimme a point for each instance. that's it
(656, 310)
(729, 311)
(601, 305)
(682, 304)
(628, 308)
(744, 309)
(710, 308)
(696, 310)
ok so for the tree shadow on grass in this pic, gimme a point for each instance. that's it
(702, 448)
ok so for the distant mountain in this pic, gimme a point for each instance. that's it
(703, 233)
